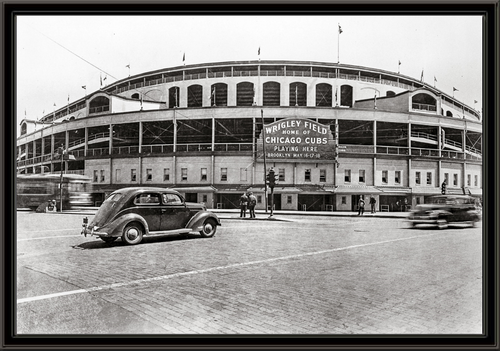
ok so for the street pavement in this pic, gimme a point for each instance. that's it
(305, 275)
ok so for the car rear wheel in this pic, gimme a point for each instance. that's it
(209, 228)
(108, 239)
(442, 223)
(132, 234)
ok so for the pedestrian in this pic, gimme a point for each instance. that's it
(372, 203)
(397, 206)
(252, 201)
(243, 205)
(406, 204)
(361, 205)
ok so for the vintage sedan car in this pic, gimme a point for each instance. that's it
(444, 209)
(132, 213)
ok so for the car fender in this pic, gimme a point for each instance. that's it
(199, 218)
(121, 222)
(439, 213)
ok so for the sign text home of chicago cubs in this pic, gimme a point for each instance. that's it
(294, 139)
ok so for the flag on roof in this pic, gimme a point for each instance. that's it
(455, 89)
(340, 29)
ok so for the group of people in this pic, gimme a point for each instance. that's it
(247, 200)
(361, 204)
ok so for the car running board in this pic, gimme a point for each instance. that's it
(176, 231)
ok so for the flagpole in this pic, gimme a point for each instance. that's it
(338, 45)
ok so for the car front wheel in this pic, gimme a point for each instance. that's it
(132, 234)
(209, 228)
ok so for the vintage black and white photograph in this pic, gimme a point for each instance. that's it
(249, 175)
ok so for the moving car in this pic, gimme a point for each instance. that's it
(444, 209)
(132, 213)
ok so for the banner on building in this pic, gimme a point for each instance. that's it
(296, 139)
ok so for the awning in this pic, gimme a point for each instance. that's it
(394, 190)
(474, 191)
(195, 189)
(356, 190)
(429, 190)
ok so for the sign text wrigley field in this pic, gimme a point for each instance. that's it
(294, 139)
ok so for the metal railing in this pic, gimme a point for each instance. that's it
(423, 107)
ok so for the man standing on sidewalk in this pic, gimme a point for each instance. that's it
(372, 203)
(252, 201)
(361, 205)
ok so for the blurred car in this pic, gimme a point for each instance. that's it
(444, 209)
(132, 213)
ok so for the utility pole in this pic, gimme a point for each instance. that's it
(264, 151)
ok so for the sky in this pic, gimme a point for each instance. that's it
(57, 55)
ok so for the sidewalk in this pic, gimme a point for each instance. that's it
(261, 214)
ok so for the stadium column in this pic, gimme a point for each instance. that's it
(110, 144)
(52, 142)
(86, 145)
(374, 151)
(66, 147)
(409, 153)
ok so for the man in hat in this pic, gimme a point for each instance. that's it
(252, 201)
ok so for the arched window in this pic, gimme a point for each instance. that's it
(99, 104)
(135, 96)
(24, 128)
(271, 94)
(173, 97)
(298, 94)
(195, 95)
(324, 95)
(423, 102)
(346, 95)
(244, 94)
(449, 114)
(390, 93)
(218, 94)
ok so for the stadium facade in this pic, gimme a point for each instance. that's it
(333, 132)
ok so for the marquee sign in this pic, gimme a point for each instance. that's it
(296, 139)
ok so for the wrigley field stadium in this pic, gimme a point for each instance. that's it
(331, 132)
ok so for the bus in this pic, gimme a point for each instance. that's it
(34, 189)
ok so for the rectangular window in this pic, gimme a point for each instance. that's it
(347, 176)
(102, 175)
(289, 199)
(184, 174)
(384, 177)
(166, 174)
(307, 175)
(203, 174)
(344, 200)
(149, 174)
(133, 175)
(397, 177)
(418, 200)
(117, 175)
(475, 180)
(96, 176)
(322, 175)
(259, 199)
(468, 179)
(417, 178)
(447, 178)
(223, 174)
(361, 175)
(205, 198)
(429, 178)
(281, 174)
(243, 174)
(455, 179)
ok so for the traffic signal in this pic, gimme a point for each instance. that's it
(443, 188)
(271, 178)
